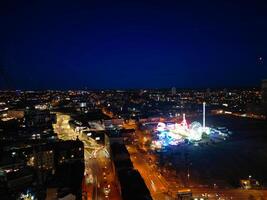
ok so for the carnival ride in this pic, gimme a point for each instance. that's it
(175, 133)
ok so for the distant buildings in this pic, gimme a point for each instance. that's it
(33, 158)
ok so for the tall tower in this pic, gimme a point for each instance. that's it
(204, 115)
(264, 91)
(184, 123)
(173, 91)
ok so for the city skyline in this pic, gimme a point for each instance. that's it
(134, 44)
(135, 144)
(133, 100)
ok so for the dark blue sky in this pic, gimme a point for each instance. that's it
(132, 44)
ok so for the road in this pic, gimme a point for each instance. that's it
(97, 162)
(156, 184)
(161, 187)
(238, 194)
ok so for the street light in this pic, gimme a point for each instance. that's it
(188, 172)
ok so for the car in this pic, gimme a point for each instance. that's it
(107, 190)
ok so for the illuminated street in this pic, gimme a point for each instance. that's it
(62, 128)
(156, 184)
(97, 161)
(161, 188)
(133, 100)
(238, 194)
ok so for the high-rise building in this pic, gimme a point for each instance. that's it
(173, 91)
(264, 91)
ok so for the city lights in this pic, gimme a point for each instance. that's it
(176, 133)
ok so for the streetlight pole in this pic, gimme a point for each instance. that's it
(204, 115)
(188, 173)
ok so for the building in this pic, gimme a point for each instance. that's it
(132, 185)
(39, 118)
(17, 114)
(185, 194)
(38, 165)
(173, 91)
(264, 95)
(130, 182)
(14, 180)
(15, 175)
(264, 91)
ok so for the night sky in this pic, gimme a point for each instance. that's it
(132, 44)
